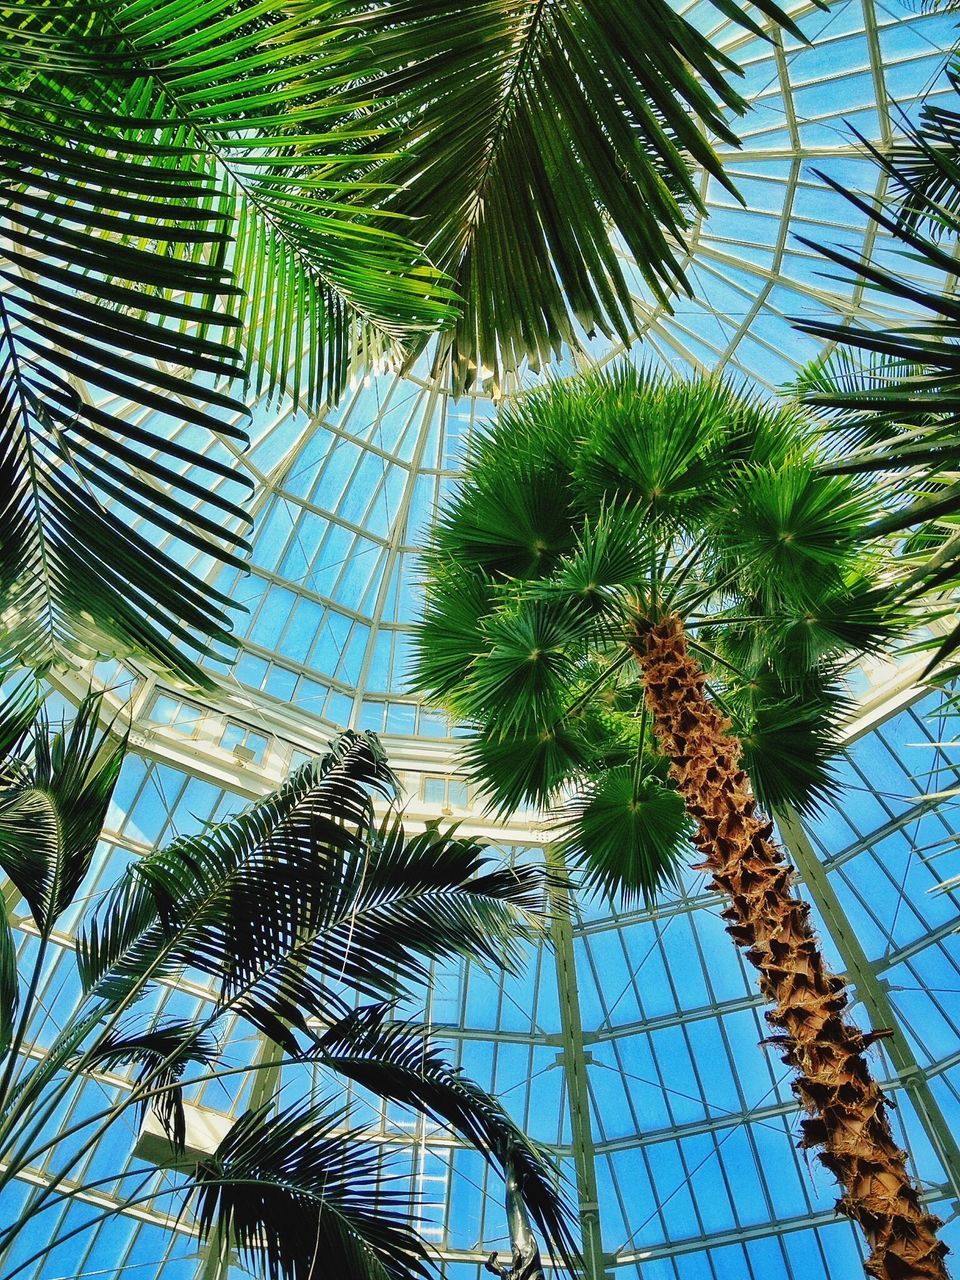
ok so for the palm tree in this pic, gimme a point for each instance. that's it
(891, 394)
(195, 194)
(640, 599)
(308, 919)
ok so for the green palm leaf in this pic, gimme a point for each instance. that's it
(395, 1060)
(251, 90)
(894, 392)
(76, 577)
(52, 811)
(161, 1052)
(9, 984)
(629, 834)
(534, 129)
(301, 894)
(298, 1191)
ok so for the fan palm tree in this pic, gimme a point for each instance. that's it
(307, 919)
(192, 194)
(639, 600)
(891, 394)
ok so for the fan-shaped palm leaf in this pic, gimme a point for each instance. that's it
(628, 833)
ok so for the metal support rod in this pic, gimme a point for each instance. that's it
(575, 1068)
(880, 1010)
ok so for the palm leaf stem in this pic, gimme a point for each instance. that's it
(19, 383)
(619, 661)
(27, 1092)
(713, 589)
(682, 570)
(26, 1012)
(715, 657)
(641, 739)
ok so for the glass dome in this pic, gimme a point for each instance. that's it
(630, 1044)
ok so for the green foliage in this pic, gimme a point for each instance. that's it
(53, 808)
(541, 126)
(892, 394)
(653, 496)
(628, 832)
(295, 1188)
(176, 214)
(287, 913)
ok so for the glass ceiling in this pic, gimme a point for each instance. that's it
(631, 1046)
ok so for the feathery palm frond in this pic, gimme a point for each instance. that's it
(534, 129)
(249, 93)
(18, 711)
(174, 214)
(895, 392)
(301, 895)
(162, 1052)
(395, 1060)
(73, 473)
(52, 811)
(9, 983)
(300, 1191)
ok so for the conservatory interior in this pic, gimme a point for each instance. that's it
(479, 551)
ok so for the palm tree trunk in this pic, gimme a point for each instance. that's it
(845, 1107)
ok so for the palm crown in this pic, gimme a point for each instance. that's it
(592, 511)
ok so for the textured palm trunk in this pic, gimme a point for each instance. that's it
(846, 1110)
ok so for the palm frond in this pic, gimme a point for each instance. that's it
(74, 473)
(252, 91)
(651, 438)
(523, 767)
(52, 811)
(300, 1192)
(628, 833)
(395, 1060)
(514, 523)
(9, 983)
(161, 1052)
(528, 661)
(787, 531)
(449, 636)
(18, 711)
(302, 894)
(233, 898)
(791, 733)
(534, 129)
